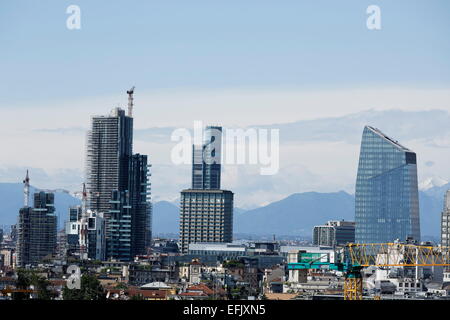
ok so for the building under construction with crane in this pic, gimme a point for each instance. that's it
(117, 183)
(36, 228)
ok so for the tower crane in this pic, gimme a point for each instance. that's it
(130, 101)
(354, 257)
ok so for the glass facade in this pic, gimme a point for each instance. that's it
(206, 159)
(387, 197)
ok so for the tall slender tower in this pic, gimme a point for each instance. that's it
(113, 174)
(206, 160)
(387, 196)
(206, 211)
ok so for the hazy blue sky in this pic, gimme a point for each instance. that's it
(233, 43)
(234, 63)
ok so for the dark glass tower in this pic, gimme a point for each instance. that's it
(206, 167)
(206, 211)
(387, 197)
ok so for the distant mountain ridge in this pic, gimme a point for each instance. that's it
(295, 215)
(11, 200)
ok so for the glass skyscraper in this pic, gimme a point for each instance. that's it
(206, 211)
(206, 159)
(387, 197)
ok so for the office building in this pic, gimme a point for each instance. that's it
(206, 160)
(334, 233)
(205, 216)
(387, 198)
(73, 229)
(206, 211)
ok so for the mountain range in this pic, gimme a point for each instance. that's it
(294, 215)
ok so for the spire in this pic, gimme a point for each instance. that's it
(130, 101)
(26, 190)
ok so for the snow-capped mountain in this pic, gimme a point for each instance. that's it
(432, 182)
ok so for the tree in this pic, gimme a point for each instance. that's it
(91, 289)
(26, 279)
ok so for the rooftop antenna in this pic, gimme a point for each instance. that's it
(26, 190)
(130, 101)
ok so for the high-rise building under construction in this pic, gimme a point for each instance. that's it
(117, 184)
(36, 228)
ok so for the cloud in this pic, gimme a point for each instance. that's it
(315, 155)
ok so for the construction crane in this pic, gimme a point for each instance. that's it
(26, 191)
(353, 258)
(130, 101)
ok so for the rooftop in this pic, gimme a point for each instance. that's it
(388, 139)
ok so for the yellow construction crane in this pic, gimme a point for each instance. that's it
(354, 257)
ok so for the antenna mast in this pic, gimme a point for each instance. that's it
(130, 101)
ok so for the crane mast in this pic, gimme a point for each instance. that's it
(26, 190)
(130, 101)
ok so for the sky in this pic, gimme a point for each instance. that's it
(233, 63)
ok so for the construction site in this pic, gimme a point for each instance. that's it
(370, 271)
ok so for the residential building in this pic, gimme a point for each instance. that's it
(387, 198)
(334, 233)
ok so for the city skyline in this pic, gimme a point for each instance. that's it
(281, 72)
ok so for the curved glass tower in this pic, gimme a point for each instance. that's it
(387, 196)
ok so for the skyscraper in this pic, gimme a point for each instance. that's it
(387, 197)
(445, 230)
(445, 221)
(109, 148)
(36, 228)
(206, 160)
(206, 211)
(117, 184)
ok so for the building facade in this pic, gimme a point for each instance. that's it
(445, 221)
(445, 229)
(206, 211)
(334, 233)
(206, 160)
(387, 197)
(205, 216)
(36, 230)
